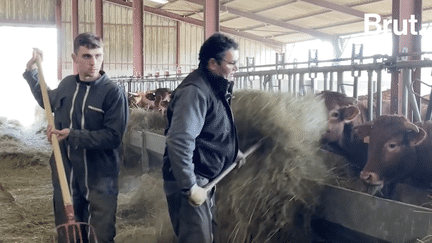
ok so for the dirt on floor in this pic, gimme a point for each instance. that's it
(26, 213)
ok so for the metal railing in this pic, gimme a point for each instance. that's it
(300, 78)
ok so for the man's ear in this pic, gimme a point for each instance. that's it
(73, 57)
(212, 64)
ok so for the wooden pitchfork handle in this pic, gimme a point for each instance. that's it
(248, 152)
(55, 144)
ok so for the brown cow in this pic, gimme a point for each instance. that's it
(156, 100)
(343, 114)
(399, 151)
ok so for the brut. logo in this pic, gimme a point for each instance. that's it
(386, 22)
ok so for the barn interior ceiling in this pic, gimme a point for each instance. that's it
(287, 21)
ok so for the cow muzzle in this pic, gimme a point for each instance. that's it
(371, 178)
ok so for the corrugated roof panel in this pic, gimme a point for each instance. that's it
(269, 30)
(324, 19)
(240, 23)
(293, 38)
(350, 2)
(292, 10)
(382, 7)
(253, 5)
(182, 7)
(345, 29)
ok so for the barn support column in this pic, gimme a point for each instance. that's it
(178, 71)
(211, 17)
(75, 27)
(138, 37)
(408, 41)
(99, 19)
(60, 33)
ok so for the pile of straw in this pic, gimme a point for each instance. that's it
(142, 211)
(20, 148)
(140, 119)
(272, 197)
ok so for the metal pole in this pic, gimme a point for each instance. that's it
(405, 77)
(370, 95)
(379, 92)
(411, 97)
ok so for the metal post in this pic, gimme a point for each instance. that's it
(379, 92)
(340, 87)
(405, 77)
(411, 97)
(370, 95)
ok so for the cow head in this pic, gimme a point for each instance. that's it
(337, 119)
(392, 148)
(162, 99)
(333, 100)
(133, 99)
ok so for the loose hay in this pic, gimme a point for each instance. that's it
(14, 152)
(272, 197)
(140, 119)
(142, 211)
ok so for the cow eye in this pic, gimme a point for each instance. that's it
(392, 145)
(335, 114)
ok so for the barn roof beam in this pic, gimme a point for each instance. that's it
(316, 13)
(337, 7)
(276, 44)
(274, 22)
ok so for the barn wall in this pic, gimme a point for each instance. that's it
(160, 36)
(27, 12)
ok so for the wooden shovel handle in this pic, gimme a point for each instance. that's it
(55, 144)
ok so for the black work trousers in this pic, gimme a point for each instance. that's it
(192, 224)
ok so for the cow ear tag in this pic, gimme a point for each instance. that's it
(366, 139)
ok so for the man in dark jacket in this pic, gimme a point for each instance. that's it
(90, 113)
(201, 140)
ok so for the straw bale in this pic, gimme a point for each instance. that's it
(142, 211)
(272, 197)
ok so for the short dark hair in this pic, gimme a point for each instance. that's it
(215, 47)
(88, 40)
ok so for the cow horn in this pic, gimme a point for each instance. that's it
(411, 126)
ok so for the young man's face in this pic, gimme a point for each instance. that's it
(89, 62)
(228, 65)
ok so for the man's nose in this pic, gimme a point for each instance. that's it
(92, 60)
(235, 68)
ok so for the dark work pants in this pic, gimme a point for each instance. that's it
(98, 210)
(192, 224)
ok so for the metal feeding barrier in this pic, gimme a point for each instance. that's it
(345, 75)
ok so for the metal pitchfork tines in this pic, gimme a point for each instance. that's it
(71, 230)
